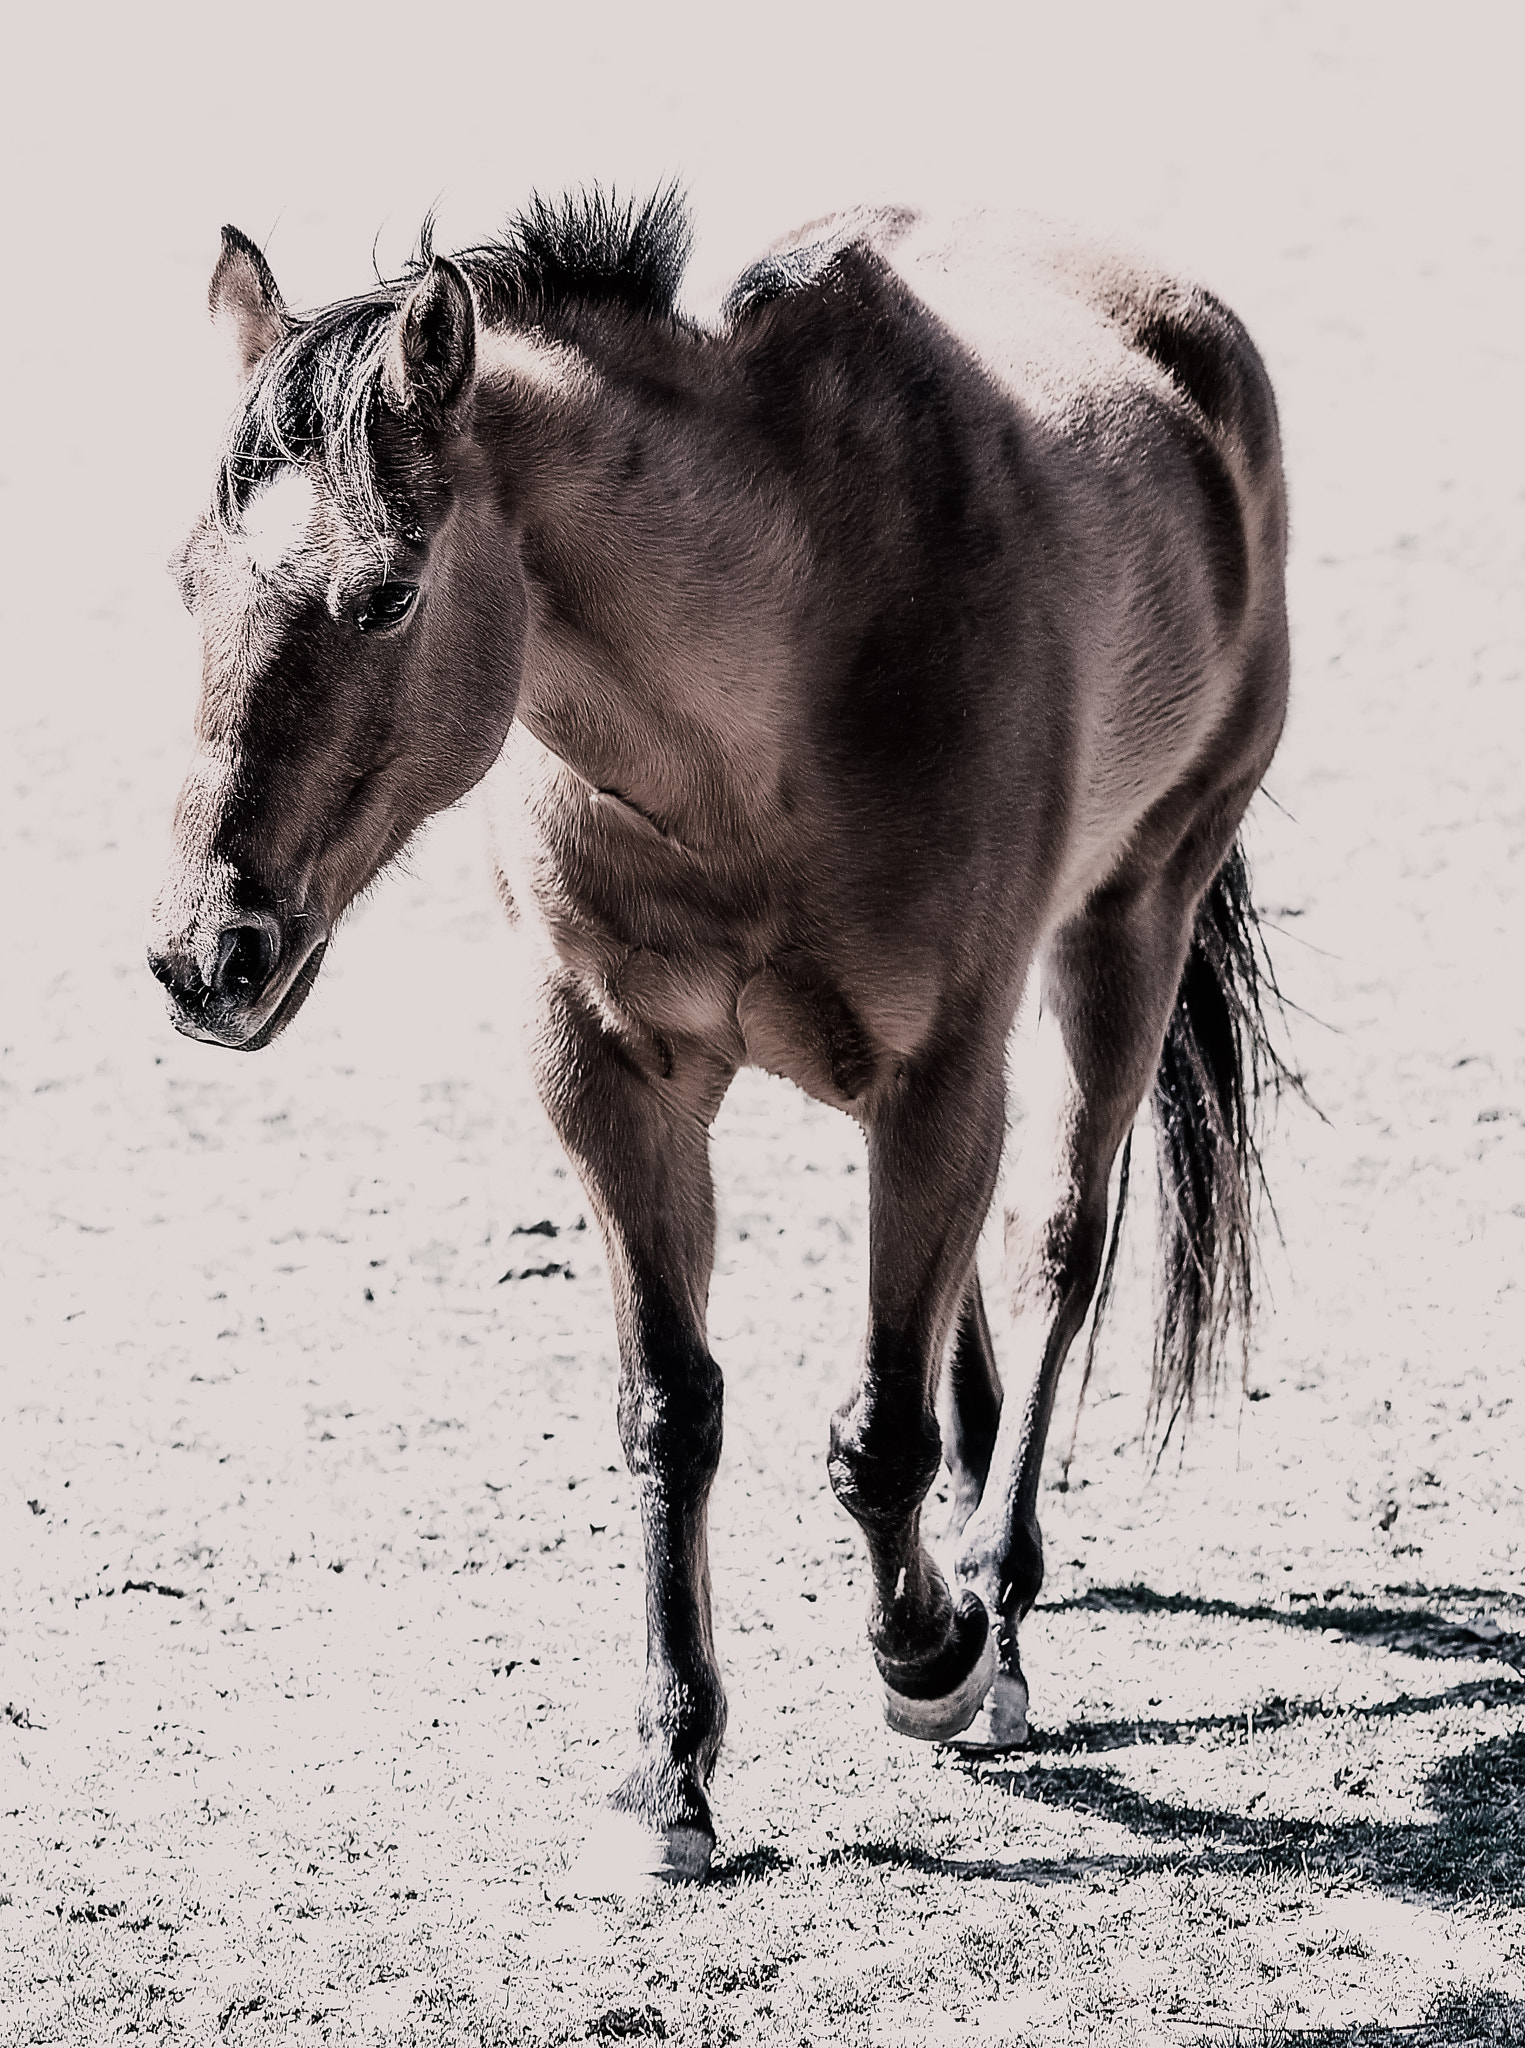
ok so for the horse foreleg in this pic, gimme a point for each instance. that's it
(934, 1148)
(640, 1145)
(1109, 981)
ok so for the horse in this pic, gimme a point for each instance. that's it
(906, 635)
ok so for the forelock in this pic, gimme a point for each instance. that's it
(315, 395)
(310, 407)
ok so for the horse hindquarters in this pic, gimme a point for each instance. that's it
(640, 1146)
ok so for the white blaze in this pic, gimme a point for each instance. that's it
(279, 522)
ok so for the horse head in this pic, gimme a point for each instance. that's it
(362, 620)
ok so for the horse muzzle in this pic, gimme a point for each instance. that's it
(239, 985)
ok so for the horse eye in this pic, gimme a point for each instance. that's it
(386, 605)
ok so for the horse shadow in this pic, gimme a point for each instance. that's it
(1416, 1631)
(1465, 1841)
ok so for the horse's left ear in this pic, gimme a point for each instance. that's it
(245, 303)
(433, 350)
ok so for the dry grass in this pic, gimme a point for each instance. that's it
(319, 1572)
(325, 1650)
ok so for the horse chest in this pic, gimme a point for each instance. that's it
(786, 1014)
(776, 1008)
(678, 950)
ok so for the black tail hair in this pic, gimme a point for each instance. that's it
(1216, 1070)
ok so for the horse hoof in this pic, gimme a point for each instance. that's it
(1000, 1723)
(627, 1858)
(940, 1719)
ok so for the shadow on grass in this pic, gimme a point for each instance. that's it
(1473, 1848)
(1415, 1630)
(1087, 1737)
(749, 1866)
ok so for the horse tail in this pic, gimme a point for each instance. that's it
(1217, 1067)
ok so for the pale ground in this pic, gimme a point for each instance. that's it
(321, 1578)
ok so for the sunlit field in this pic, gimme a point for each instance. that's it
(322, 1602)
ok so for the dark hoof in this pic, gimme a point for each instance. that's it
(937, 1701)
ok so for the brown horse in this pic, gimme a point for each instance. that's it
(913, 630)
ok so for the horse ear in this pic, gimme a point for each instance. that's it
(433, 350)
(245, 303)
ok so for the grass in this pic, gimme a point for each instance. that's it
(324, 1620)
(1463, 2016)
(324, 1629)
(1173, 1880)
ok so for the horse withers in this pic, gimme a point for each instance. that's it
(913, 630)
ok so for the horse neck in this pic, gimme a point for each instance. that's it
(658, 649)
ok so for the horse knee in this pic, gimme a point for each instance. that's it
(881, 1473)
(671, 1423)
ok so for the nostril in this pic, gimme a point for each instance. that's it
(246, 957)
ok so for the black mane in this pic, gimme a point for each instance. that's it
(315, 393)
(587, 248)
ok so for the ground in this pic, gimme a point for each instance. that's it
(322, 1604)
